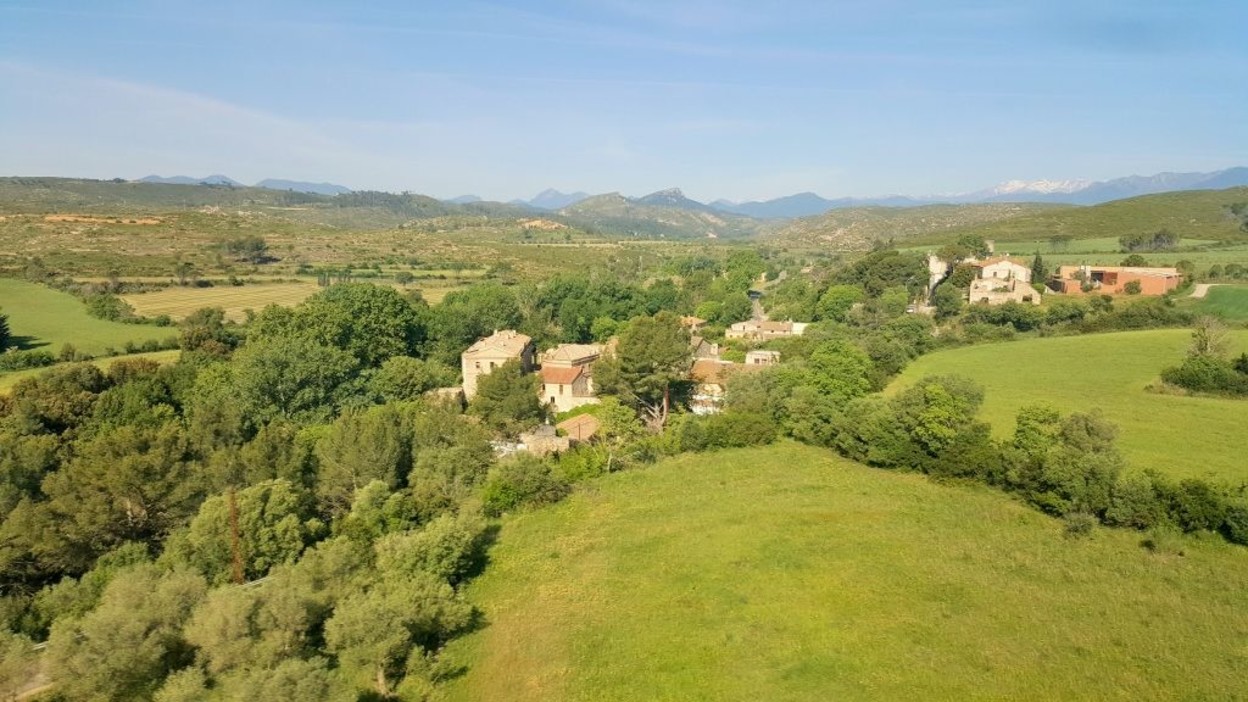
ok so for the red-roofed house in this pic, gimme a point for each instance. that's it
(567, 376)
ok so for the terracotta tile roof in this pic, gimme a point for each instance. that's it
(710, 371)
(557, 375)
(507, 342)
(568, 353)
(581, 427)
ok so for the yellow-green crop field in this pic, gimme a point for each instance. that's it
(178, 302)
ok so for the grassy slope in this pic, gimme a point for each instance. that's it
(41, 316)
(1197, 214)
(8, 380)
(784, 573)
(1183, 436)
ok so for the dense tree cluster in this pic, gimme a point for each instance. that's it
(1160, 240)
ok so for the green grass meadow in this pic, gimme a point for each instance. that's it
(40, 317)
(786, 573)
(1230, 302)
(1181, 436)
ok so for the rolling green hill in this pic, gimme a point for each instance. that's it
(613, 213)
(784, 573)
(857, 228)
(1195, 214)
(1182, 436)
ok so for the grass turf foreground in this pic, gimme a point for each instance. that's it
(786, 573)
(1185, 437)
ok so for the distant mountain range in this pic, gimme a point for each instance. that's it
(1067, 192)
(267, 183)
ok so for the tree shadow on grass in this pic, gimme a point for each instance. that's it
(26, 343)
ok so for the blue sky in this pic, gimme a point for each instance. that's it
(725, 99)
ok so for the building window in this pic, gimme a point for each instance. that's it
(491, 365)
(478, 364)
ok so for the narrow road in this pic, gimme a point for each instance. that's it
(1202, 289)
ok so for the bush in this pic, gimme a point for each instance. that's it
(1079, 524)
(522, 480)
(1207, 374)
(24, 360)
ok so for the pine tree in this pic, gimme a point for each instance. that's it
(1039, 271)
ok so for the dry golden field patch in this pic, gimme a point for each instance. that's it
(178, 302)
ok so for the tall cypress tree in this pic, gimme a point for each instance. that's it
(4, 332)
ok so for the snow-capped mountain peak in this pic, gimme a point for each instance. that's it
(1046, 187)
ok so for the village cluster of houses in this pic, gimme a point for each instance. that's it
(1002, 279)
(567, 374)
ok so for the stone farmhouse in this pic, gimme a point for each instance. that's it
(1112, 280)
(1001, 280)
(491, 352)
(763, 330)
(710, 383)
(703, 348)
(567, 375)
(760, 357)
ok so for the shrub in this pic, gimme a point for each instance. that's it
(522, 480)
(23, 360)
(1079, 524)
(1235, 526)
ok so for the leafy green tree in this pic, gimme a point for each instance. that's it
(58, 399)
(652, 356)
(275, 523)
(362, 446)
(291, 378)
(508, 399)
(948, 301)
(130, 484)
(376, 511)
(837, 300)
(249, 248)
(371, 322)
(521, 480)
(419, 612)
(19, 664)
(125, 647)
(403, 378)
(1135, 260)
(6, 337)
(404, 278)
(205, 330)
(75, 597)
(448, 547)
(840, 370)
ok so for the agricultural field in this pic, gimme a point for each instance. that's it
(1181, 436)
(178, 302)
(785, 573)
(1230, 302)
(40, 317)
(8, 380)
